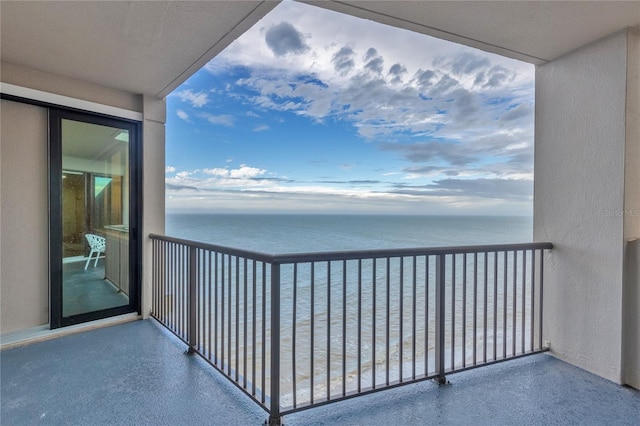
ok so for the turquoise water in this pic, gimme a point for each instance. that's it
(308, 233)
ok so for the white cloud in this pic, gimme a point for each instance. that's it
(169, 169)
(243, 172)
(222, 120)
(197, 100)
(183, 115)
(261, 128)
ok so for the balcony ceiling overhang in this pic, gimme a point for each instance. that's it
(152, 47)
(531, 31)
(136, 46)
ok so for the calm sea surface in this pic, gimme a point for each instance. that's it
(308, 233)
(277, 234)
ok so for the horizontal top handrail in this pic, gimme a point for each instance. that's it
(256, 255)
(353, 254)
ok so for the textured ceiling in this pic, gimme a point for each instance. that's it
(139, 47)
(532, 31)
(152, 47)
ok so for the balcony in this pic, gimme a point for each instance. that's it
(137, 373)
(357, 337)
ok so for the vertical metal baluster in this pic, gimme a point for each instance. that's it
(187, 301)
(464, 310)
(199, 307)
(524, 297)
(199, 298)
(180, 282)
(154, 287)
(209, 301)
(328, 378)
(222, 306)
(154, 278)
(426, 315)
(254, 322)
(164, 278)
(344, 327)
(192, 301)
(157, 274)
(246, 308)
(293, 334)
(274, 414)
(217, 310)
(533, 297)
(475, 307)
(387, 320)
(515, 299)
(486, 296)
(237, 364)
(504, 307)
(264, 331)
(229, 314)
(166, 272)
(541, 296)
(440, 317)
(359, 361)
(185, 275)
(157, 280)
(401, 319)
(495, 305)
(184, 287)
(181, 286)
(174, 288)
(166, 282)
(414, 298)
(313, 326)
(175, 316)
(453, 311)
(170, 302)
(373, 326)
(165, 266)
(178, 287)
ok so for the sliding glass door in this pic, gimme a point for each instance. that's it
(94, 214)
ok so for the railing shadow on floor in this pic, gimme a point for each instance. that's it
(295, 331)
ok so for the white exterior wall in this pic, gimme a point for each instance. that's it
(579, 201)
(631, 290)
(24, 224)
(24, 257)
(153, 184)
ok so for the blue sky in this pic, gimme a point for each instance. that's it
(311, 111)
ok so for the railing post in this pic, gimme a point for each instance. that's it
(274, 412)
(440, 320)
(192, 309)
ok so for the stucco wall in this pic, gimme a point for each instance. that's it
(23, 161)
(24, 258)
(579, 202)
(153, 178)
(631, 291)
(50, 83)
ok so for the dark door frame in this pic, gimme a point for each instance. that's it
(56, 115)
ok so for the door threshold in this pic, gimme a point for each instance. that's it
(41, 333)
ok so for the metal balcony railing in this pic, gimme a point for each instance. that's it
(294, 331)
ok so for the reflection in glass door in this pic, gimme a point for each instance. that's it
(94, 250)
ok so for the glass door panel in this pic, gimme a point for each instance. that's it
(95, 218)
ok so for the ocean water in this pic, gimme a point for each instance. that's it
(276, 234)
(389, 333)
